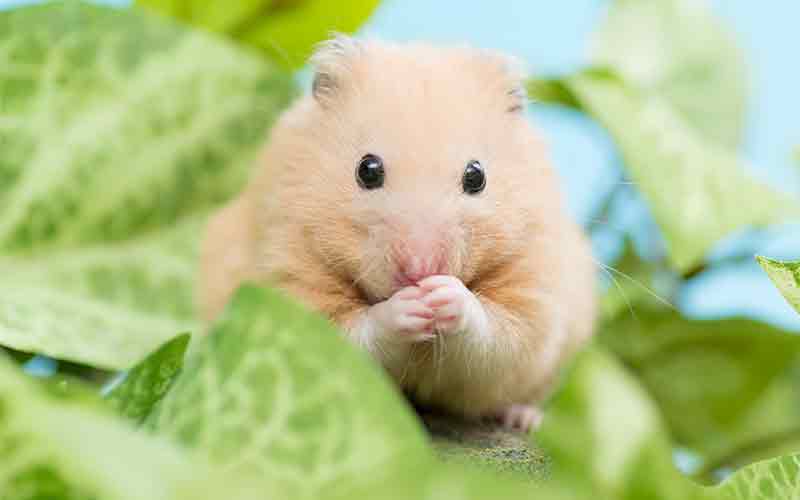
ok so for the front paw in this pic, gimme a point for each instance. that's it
(454, 306)
(404, 317)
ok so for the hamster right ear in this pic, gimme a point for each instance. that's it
(333, 61)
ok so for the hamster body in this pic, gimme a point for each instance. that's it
(408, 198)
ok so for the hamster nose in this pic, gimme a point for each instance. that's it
(417, 260)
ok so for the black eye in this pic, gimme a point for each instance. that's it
(474, 179)
(369, 173)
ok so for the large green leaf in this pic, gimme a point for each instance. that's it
(276, 391)
(286, 30)
(55, 450)
(767, 429)
(679, 50)
(148, 381)
(694, 187)
(671, 91)
(606, 438)
(713, 380)
(118, 132)
(786, 276)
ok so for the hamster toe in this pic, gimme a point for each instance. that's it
(521, 418)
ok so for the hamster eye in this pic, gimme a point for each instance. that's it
(369, 173)
(474, 180)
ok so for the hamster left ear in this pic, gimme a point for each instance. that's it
(332, 61)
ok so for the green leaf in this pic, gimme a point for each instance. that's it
(712, 380)
(606, 438)
(769, 428)
(278, 392)
(286, 30)
(670, 68)
(118, 133)
(71, 390)
(786, 276)
(767, 480)
(694, 187)
(440, 481)
(678, 50)
(53, 449)
(149, 380)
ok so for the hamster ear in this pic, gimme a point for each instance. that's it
(510, 75)
(333, 60)
(518, 97)
(515, 88)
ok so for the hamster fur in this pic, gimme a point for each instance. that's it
(471, 302)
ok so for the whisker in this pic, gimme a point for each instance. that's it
(638, 283)
(619, 288)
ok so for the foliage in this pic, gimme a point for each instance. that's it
(56, 448)
(148, 382)
(786, 276)
(112, 153)
(668, 161)
(284, 30)
(270, 391)
(739, 361)
(684, 56)
(121, 130)
(683, 84)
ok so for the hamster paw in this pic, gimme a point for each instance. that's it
(455, 307)
(404, 316)
(522, 418)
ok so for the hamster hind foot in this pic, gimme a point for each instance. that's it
(521, 418)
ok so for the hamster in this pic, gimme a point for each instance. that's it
(408, 198)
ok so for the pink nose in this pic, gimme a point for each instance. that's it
(416, 260)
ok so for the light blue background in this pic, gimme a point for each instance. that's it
(553, 38)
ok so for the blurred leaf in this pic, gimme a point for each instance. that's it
(694, 187)
(18, 356)
(102, 305)
(767, 480)
(786, 276)
(769, 428)
(710, 378)
(278, 392)
(286, 30)
(52, 450)
(606, 439)
(669, 67)
(680, 51)
(448, 481)
(149, 380)
(118, 132)
(70, 390)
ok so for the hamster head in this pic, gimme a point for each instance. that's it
(408, 161)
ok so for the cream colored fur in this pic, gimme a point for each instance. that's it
(304, 225)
